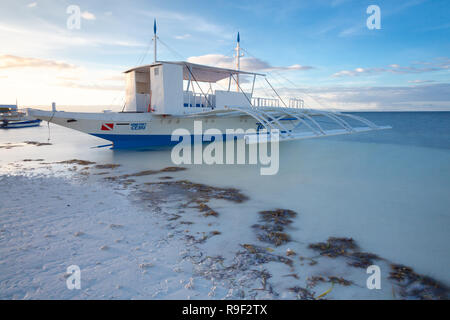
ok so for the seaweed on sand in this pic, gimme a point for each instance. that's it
(205, 236)
(334, 247)
(261, 255)
(362, 259)
(10, 145)
(278, 216)
(241, 272)
(275, 222)
(312, 281)
(345, 247)
(205, 209)
(303, 293)
(173, 169)
(200, 191)
(139, 174)
(151, 172)
(107, 166)
(77, 161)
(38, 144)
(412, 285)
(416, 286)
(165, 178)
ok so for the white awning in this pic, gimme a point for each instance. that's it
(198, 72)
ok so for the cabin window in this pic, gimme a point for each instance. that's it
(156, 71)
(142, 82)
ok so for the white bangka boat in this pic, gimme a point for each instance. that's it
(168, 95)
(11, 118)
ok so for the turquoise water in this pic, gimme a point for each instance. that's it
(389, 190)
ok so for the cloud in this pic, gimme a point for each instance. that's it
(437, 65)
(10, 61)
(32, 5)
(421, 81)
(182, 37)
(49, 38)
(190, 22)
(34, 80)
(413, 97)
(88, 15)
(351, 31)
(91, 86)
(247, 63)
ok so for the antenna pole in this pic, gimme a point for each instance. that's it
(238, 62)
(155, 37)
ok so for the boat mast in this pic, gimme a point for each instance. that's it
(154, 41)
(238, 62)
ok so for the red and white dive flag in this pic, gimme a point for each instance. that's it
(107, 126)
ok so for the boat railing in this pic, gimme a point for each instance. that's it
(296, 103)
(198, 100)
(265, 102)
(273, 102)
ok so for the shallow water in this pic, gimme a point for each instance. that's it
(389, 190)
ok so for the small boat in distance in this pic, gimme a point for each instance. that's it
(11, 118)
(171, 95)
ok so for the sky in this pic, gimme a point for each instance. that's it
(319, 50)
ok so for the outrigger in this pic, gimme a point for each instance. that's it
(166, 95)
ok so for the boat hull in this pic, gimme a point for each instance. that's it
(20, 124)
(149, 130)
(142, 130)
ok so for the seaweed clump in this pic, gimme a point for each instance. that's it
(77, 161)
(201, 191)
(312, 281)
(38, 144)
(107, 166)
(261, 255)
(273, 227)
(206, 210)
(415, 286)
(152, 172)
(346, 247)
(303, 293)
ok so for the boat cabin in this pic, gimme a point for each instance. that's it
(182, 87)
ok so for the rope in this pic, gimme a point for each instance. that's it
(172, 50)
(142, 58)
(292, 83)
(242, 91)
(139, 61)
(48, 124)
(296, 88)
(276, 92)
(195, 80)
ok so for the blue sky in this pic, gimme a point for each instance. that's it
(323, 46)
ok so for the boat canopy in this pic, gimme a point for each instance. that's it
(198, 72)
